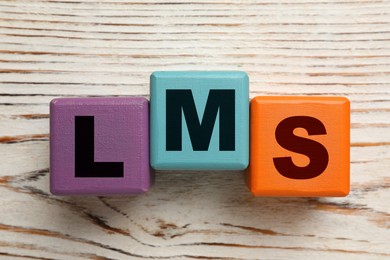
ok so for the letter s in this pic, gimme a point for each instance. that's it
(316, 152)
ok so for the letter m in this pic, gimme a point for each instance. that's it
(181, 101)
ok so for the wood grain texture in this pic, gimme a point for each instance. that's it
(68, 48)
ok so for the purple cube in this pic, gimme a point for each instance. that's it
(99, 146)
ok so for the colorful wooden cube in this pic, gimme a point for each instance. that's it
(199, 120)
(299, 146)
(99, 146)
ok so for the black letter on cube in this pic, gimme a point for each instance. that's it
(85, 165)
(200, 133)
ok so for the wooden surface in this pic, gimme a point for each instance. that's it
(69, 48)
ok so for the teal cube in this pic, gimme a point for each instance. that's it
(199, 120)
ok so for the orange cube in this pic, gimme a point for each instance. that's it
(299, 146)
